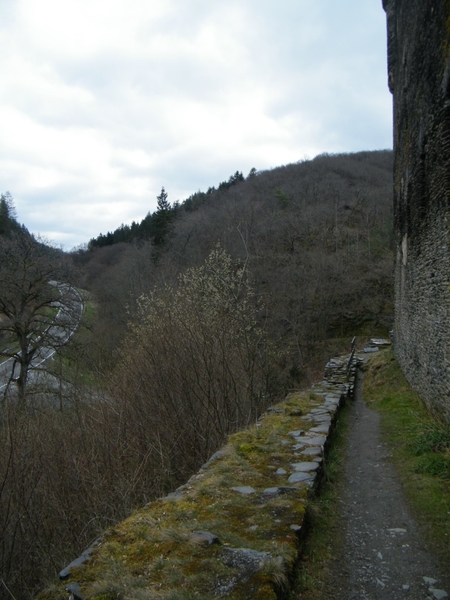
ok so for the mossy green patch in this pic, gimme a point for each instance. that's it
(153, 553)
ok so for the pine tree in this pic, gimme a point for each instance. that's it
(8, 215)
(163, 203)
(161, 219)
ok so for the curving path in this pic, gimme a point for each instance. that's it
(384, 555)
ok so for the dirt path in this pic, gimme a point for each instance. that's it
(384, 556)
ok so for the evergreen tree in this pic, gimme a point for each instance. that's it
(163, 203)
(8, 215)
(162, 219)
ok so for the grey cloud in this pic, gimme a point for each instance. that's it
(231, 86)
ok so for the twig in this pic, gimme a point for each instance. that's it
(8, 590)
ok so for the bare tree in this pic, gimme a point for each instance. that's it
(36, 308)
(195, 364)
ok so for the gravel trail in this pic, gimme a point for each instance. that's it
(384, 556)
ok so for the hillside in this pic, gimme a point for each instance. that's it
(188, 336)
(315, 238)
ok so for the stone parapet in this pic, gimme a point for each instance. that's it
(235, 529)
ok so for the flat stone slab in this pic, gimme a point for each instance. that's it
(318, 440)
(244, 489)
(325, 418)
(85, 557)
(305, 466)
(215, 456)
(296, 433)
(300, 477)
(324, 428)
(438, 594)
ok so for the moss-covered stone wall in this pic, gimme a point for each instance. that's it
(419, 79)
(235, 529)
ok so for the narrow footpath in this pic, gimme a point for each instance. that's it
(384, 555)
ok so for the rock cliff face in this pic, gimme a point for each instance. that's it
(419, 79)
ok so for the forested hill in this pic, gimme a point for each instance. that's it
(155, 226)
(315, 237)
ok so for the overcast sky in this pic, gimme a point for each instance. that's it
(103, 102)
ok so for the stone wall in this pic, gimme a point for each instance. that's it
(419, 79)
(236, 528)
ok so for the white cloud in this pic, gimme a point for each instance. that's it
(103, 103)
(81, 28)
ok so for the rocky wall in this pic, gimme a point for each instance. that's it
(419, 79)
